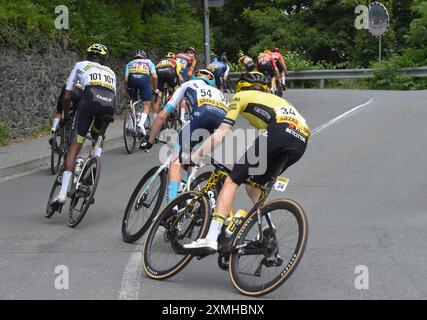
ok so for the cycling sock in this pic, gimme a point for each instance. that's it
(142, 120)
(66, 177)
(154, 115)
(182, 114)
(97, 151)
(172, 190)
(55, 124)
(215, 227)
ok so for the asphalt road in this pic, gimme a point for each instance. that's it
(362, 183)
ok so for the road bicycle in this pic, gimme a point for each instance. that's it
(146, 199)
(275, 88)
(59, 145)
(131, 132)
(258, 259)
(173, 121)
(84, 181)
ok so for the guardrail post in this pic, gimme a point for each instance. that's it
(322, 83)
(292, 84)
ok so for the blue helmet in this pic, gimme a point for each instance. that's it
(205, 75)
(140, 54)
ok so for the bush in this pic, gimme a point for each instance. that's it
(5, 133)
(389, 76)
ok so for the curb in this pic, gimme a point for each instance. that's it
(44, 162)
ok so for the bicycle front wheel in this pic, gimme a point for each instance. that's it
(182, 221)
(129, 132)
(82, 197)
(260, 267)
(143, 205)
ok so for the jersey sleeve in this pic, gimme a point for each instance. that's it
(177, 97)
(234, 108)
(72, 79)
(127, 71)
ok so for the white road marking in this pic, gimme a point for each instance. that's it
(131, 277)
(340, 117)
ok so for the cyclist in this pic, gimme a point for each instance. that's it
(138, 74)
(98, 99)
(188, 62)
(267, 65)
(245, 62)
(281, 65)
(286, 128)
(168, 72)
(75, 99)
(220, 70)
(209, 110)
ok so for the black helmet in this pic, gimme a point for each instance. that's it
(253, 80)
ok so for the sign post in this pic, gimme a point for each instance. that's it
(378, 23)
(207, 33)
(206, 4)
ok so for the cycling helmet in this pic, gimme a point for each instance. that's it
(205, 75)
(240, 54)
(276, 50)
(170, 55)
(253, 80)
(267, 51)
(140, 54)
(99, 50)
(190, 49)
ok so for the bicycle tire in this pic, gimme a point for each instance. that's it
(150, 269)
(72, 223)
(129, 145)
(129, 237)
(288, 268)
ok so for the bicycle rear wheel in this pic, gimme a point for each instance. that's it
(163, 253)
(86, 186)
(129, 132)
(56, 150)
(262, 266)
(143, 205)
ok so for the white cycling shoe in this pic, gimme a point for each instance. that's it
(61, 199)
(202, 247)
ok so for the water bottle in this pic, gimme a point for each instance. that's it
(234, 221)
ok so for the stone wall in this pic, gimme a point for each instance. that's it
(31, 82)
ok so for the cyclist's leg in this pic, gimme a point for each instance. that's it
(104, 107)
(82, 122)
(146, 96)
(161, 76)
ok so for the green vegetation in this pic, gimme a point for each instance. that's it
(5, 133)
(313, 34)
(123, 26)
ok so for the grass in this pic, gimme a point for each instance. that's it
(5, 134)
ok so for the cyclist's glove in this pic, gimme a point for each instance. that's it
(145, 145)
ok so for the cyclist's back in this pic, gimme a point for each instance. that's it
(219, 68)
(187, 61)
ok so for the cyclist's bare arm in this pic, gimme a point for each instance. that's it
(163, 115)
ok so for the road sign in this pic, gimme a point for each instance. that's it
(215, 3)
(211, 3)
(378, 19)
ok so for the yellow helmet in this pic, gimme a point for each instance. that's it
(253, 80)
(99, 49)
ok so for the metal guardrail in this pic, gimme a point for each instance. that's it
(324, 75)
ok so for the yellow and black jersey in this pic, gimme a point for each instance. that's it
(261, 108)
